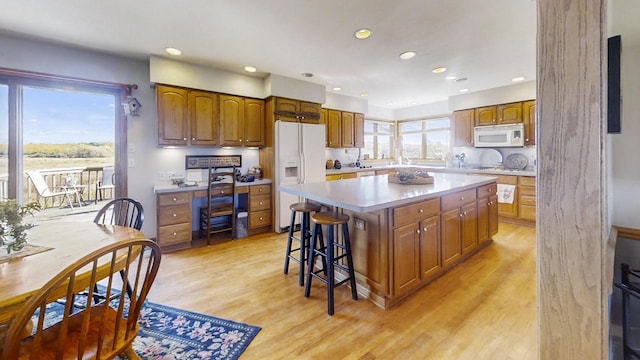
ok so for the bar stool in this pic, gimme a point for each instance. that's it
(318, 248)
(303, 239)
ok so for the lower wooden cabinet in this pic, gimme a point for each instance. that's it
(487, 213)
(174, 220)
(406, 254)
(341, 176)
(509, 209)
(259, 207)
(527, 197)
(430, 261)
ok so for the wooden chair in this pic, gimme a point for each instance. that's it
(101, 331)
(121, 211)
(107, 182)
(45, 192)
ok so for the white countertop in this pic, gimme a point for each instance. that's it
(372, 193)
(165, 188)
(435, 169)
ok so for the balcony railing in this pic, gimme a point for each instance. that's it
(86, 179)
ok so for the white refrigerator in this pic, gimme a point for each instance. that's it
(299, 158)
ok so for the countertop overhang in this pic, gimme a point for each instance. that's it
(167, 188)
(470, 170)
(373, 193)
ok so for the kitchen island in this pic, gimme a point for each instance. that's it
(405, 236)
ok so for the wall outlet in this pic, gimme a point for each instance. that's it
(359, 224)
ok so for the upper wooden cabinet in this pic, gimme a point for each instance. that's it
(358, 129)
(334, 128)
(347, 130)
(296, 110)
(499, 114)
(529, 119)
(462, 123)
(241, 121)
(172, 112)
(203, 118)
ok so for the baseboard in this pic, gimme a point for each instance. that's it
(629, 233)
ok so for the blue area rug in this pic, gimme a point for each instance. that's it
(170, 333)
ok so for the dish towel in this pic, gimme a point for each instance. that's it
(506, 193)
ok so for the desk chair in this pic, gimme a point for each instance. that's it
(102, 330)
(45, 192)
(107, 182)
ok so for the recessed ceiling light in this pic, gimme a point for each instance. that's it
(249, 69)
(363, 34)
(451, 77)
(464, 90)
(364, 94)
(307, 74)
(439, 70)
(337, 88)
(407, 55)
(518, 78)
(173, 51)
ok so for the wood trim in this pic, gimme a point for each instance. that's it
(628, 233)
(4, 72)
(572, 259)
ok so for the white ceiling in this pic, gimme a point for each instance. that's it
(487, 42)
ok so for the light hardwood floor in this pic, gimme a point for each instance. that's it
(482, 309)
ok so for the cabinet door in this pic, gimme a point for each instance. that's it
(347, 130)
(231, 120)
(430, 260)
(253, 122)
(307, 108)
(469, 232)
(286, 106)
(529, 119)
(509, 210)
(486, 115)
(203, 115)
(406, 261)
(483, 220)
(451, 246)
(334, 120)
(509, 113)
(172, 112)
(493, 215)
(358, 129)
(463, 122)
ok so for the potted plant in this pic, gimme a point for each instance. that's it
(13, 236)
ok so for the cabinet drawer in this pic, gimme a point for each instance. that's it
(508, 179)
(527, 199)
(259, 202)
(259, 189)
(170, 215)
(458, 199)
(200, 193)
(528, 190)
(527, 212)
(176, 198)
(242, 189)
(527, 180)
(222, 190)
(173, 234)
(413, 212)
(487, 190)
(259, 219)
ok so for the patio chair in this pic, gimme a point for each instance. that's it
(44, 191)
(108, 181)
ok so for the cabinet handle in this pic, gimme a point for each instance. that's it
(185, 139)
(420, 211)
(490, 190)
(260, 203)
(425, 229)
(259, 190)
(221, 191)
(460, 215)
(526, 139)
(174, 199)
(175, 215)
(418, 231)
(193, 139)
(260, 218)
(461, 198)
(464, 213)
(175, 233)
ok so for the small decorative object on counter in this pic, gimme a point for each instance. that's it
(337, 164)
(329, 164)
(258, 172)
(358, 162)
(410, 177)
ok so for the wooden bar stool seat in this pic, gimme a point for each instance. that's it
(304, 209)
(331, 259)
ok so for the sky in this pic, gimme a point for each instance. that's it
(59, 116)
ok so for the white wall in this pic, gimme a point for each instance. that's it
(500, 95)
(625, 146)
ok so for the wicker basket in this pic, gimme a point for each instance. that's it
(416, 180)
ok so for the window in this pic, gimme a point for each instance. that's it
(378, 140)
(424, 139)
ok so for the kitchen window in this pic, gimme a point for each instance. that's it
(427, 139)
(378, 140)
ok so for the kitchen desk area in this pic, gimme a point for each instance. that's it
(404, 236)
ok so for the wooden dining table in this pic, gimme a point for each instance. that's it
(22, 277)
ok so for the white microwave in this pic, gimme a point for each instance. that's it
(511, 135)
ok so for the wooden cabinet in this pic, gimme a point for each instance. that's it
(358, 130)
(463, 123)
(406, 254)
(241, 121)
(487, 212)
(459, 225)
(341, 176)
(173, 212)
(296, 110)
(527, 197)
(529, 120)
(334, 128)
(509, 209)
(499, 114)
(172, 112)
(347, 134)
(430, 260)
(259, 207)
(203, 118)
